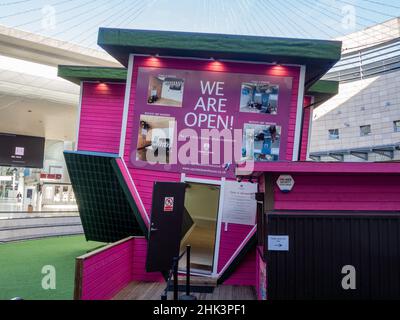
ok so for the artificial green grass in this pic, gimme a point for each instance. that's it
(21, 266)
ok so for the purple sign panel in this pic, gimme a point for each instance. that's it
(205, 122)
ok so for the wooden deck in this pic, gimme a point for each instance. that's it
(154, 290)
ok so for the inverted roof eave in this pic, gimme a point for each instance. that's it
(76, 74)
(323, 90)
(318, 55)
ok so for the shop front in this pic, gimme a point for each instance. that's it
(188, 109)
(33, 176)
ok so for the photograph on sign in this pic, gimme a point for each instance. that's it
(155, 138)
(259, 97)
(261, 142)
(165, 90)
(202, 103)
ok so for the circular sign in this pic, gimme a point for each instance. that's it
(285, 183)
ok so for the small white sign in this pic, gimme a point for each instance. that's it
(285, 182)
(278, 243)
(240, 205)
(168, 204)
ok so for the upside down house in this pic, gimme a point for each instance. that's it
(228, 117)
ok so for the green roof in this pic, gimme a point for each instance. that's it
(323, 90)
(317, 55)
(107, 212)
(76, 74)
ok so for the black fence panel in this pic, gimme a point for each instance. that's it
(320, 245)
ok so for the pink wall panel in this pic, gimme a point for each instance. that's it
(341, 192)
(245, 274)
(109, 271)
(139, 263)
(106, 273)
(304, 135)
(134, 191)
(231, 238)
(101, 117)
(144, 181)
(292, 120)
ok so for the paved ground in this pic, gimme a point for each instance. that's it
(21, 265)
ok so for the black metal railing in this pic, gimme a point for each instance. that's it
(173, 274)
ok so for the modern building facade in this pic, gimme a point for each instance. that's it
(35, 102)
(362, 122)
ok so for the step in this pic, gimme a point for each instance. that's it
(198, 281)
(39, 232)
(38, 221)
(193, 288)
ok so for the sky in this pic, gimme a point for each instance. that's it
(78, 21)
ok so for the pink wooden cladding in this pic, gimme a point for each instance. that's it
(230, 241)
(109, 271)
(106, 273)
(139, 263)
(133, 190)
(144, 181)
(368, 192)
(304, 136)
(101, 117)
(245, 273)
(306, 128)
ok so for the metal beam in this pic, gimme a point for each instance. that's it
(361, 155)
(337, 156)
(386, 153)
(315, 158)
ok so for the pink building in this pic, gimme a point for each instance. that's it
(228, 117)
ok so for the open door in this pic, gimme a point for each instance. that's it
(202, 205)
(166, 225)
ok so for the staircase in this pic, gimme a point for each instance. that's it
(38, 227)
(197, 284)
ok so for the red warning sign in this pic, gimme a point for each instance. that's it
(168, 204)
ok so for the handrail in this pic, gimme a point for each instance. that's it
(173, 273)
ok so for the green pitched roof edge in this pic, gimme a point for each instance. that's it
(220, 43)
(325, 87)
(76, 74)
(323, 90)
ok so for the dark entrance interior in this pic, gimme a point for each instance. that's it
(202, 204)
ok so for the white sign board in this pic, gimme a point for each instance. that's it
(240, 205)
(285, 182)
(278, 243)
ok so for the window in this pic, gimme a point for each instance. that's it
(365, 130)
(333, 134)
(396, 125)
